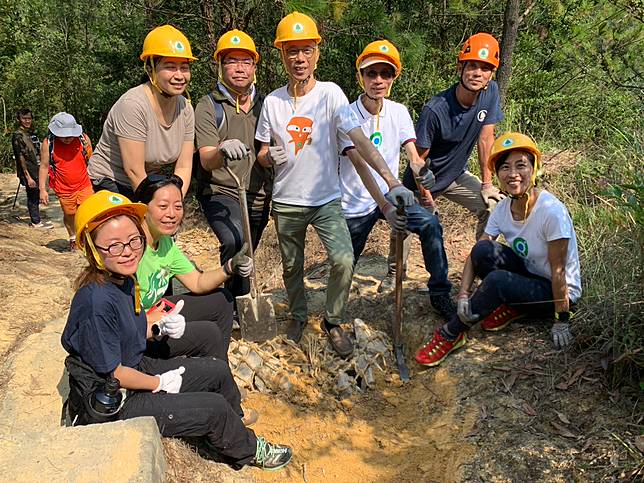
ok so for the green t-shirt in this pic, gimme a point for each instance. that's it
(157, 267)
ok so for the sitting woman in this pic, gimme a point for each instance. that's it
(106, 335)
(209, 312)
(538, 273)
(151, 125)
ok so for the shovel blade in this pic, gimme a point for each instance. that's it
(256, 317)
(400, 361)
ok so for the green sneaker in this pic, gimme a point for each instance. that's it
(271, 457)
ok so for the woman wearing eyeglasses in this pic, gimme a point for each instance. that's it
(106, 335)
(151, 125)
(208, 309)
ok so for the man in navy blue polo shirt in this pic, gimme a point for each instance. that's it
(449, 126)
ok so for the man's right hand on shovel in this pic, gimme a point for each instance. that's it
(396, 221)
(233, 149)
(241, 264)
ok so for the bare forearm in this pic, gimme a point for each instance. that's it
(132, 379)
(557, 257)
(211, 158)
(43, 174)
(203, 282)
(184, 173)
(483, 149)
(467, 279)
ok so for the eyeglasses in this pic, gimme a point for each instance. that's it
(116, 249)
(293, 52)
(246, 63)
(385, 74)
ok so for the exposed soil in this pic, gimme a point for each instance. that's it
(505, 408)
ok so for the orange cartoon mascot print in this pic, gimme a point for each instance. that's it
(300, 129)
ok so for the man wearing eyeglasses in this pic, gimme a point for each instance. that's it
(225, 122)
(389, 126)
(305, 121)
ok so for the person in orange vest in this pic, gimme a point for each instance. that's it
(63, 160)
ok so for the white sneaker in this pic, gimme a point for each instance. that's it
(45, 225)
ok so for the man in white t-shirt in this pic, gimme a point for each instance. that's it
(304, 121)
(389, 126)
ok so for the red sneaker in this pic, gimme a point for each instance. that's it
(438, 349)
(500, 318)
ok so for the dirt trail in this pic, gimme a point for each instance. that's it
(504, 408)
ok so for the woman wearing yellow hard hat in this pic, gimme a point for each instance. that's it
(536, 273)
(106, 336)
(151, 125)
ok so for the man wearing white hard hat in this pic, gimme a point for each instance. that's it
(64, 155)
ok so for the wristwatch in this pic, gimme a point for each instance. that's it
(562, 316)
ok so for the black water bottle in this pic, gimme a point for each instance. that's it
(106, 400)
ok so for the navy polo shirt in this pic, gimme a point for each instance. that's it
(450, 131)
(102, 328)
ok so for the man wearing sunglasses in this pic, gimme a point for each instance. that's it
(389, 126)
(225, 122)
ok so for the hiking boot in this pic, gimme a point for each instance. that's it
(295, 329)
(438, 349)
(340, 341)
(270, 456)
(45, 225)
(500, 318)
(442, 303)
(250, 417)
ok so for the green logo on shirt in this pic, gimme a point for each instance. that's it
(376, 139)
(158, 284)
(520, 247)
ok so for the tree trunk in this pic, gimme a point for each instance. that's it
(510, 28)
(208, 13)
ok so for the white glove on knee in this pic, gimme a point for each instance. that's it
(170, 381)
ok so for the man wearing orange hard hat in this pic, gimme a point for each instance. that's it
(225, 123)
(306, 120)
(449, 126)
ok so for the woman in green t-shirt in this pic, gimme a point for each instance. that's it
(208, 309)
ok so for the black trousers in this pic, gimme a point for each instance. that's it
(207, 406)
(224, 217)
(209, 325)
(113, 186)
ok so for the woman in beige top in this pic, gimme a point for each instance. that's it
(152, 124)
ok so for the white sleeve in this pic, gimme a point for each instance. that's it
(348, 119)
(407, 132)
(557, 223)
(342, 116)
(493, 227)
(263, 132)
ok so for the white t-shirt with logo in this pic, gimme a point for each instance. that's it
(548, 221)
(394, 129)
(308, 129)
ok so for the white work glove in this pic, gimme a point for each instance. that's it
(426, 178)
(173, 324)
(464, 310)
(241, 264)
(396, 221)
(491, 195)
(561, 335)
(399, 191)
(233, 149)
(348, 120)
(277, 155)
(170, 381)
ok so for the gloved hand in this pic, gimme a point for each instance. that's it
(277, 155)
(561, 335)
(173, 324)
(426, 178)
(396, 221)
(233, 149)
(491, 195)
(399, 191)
(240, 264)
(170, 381)
(464, 310)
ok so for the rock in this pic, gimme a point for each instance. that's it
(254, 360)
(245, 373)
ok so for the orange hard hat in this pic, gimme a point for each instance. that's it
(380, 51)
(482, 47)
(513, 141)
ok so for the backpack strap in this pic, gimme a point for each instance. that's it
(85, 146)
(50, 139)
(220, 115)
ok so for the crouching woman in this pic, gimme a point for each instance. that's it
(106, 334)
(538, 271)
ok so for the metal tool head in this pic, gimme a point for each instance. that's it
(256, 317)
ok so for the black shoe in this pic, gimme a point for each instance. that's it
(443, 304)
(270, 456)
(340, 341)
(295, 329)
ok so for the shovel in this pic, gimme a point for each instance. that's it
(255, 310)
(399, 348)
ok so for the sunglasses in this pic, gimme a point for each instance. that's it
(385, 74)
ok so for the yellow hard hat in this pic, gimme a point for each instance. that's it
(166, 41)
(296, 26)
(482, 47)
(511, 141)
(100, 207)
(380, 51)
(236, 40)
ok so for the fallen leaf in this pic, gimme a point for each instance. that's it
(502, 368)
(562, 417)
(528, 409)
(576, 375)
(509, 381)
(563, 431)
(562, 386)
(586, 445)
(639, 443)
